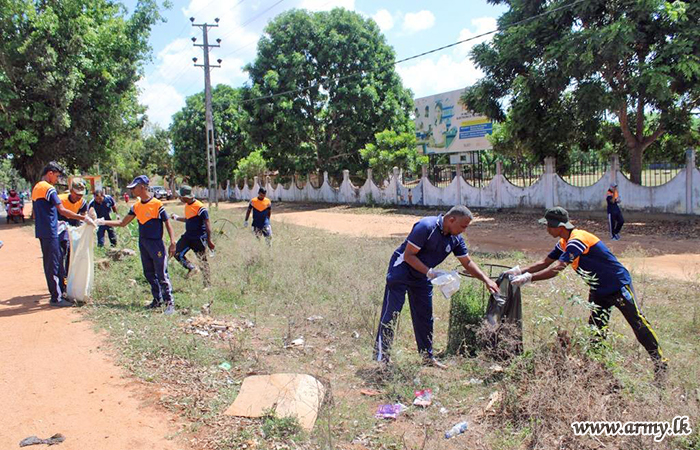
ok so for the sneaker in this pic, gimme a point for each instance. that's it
(170, 310)
(192, 272)
(615, 238)
(433, 362)
(60, 304)
(154, 305)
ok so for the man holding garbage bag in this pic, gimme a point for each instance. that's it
(47, 206)
(74, 201)
(411, 269)
(610, 282)
(151, 215)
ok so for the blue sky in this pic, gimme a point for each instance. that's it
(411, 27)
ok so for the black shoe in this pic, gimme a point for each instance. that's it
(60, 304)
(154, 305)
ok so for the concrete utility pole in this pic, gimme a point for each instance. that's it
(211, 146)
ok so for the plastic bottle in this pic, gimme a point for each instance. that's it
(455, 430)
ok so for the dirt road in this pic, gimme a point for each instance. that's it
(53, 376)
(669, 248)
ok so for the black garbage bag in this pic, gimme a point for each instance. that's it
(503, 325)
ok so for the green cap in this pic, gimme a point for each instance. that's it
(185, 191)
(78, 186)
(557, 217)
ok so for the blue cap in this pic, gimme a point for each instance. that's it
(141, 179)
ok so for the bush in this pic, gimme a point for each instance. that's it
(467, 311)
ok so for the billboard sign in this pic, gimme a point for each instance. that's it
(443, 125)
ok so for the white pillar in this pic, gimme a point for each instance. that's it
(549, 173)
(689, 169)
(395, 173)
(614, 168)
(459, 184)
(499, 183)
(424, 181)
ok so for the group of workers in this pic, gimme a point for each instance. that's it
(414, 264)
(411, 268)
(54, 213)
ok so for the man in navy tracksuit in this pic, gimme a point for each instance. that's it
(103, 206)
(197, 235)
(615, 219)
(47, 206)
(151, 215)
(411, 268)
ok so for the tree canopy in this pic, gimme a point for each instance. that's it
(393, 150)
(68, 70)
(560, 78)
(188, 135)
(354, 91)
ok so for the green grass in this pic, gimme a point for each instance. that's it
(269, 294)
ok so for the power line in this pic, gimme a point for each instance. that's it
(479, 36)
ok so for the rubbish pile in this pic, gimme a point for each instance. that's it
(207, 326)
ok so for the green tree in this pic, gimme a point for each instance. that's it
(189, 138)
(355, 91)
(157, 157)
(392, 149)
(68, 70)
(251, 166)
(563, 74)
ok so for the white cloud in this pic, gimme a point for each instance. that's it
(418, 21)
(448, 71)
(327, 5)
(384, 19)
(162, 101)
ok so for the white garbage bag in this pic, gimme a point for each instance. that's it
(81, 272)
(448, 283)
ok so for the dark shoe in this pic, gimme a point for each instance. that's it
(433, 362)
(60, 304)
(154, 305)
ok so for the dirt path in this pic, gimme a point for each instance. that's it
(53, 377)
(673, 250)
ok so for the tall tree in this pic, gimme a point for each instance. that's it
(189, 139)
(354, 91)
(564, 73)
(393, 150)
(68, 70)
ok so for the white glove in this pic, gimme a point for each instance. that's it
(99, 222)
(245, 224)
(88, 220)
(514, 271)
(521, 280)
(175, 216)
(432, 273)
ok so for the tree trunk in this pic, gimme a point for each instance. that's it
(636, 153)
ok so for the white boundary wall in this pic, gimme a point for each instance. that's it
(681, 195)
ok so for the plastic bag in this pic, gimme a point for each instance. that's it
(81, 272)
(448, 283)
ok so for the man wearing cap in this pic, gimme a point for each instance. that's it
(615, 219)
(151, 215)
(73, 201)
(103, 205)
(47, 206)
(261, 207)
(609, 281)
(197, 234)
(411, 268)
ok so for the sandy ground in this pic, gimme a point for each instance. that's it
(53, 376)
(670, 255)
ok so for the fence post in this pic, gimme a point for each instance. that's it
(614, 168)
(499, 183)
(689, 170)
(255, 181)
(549, 172)
(424, 180)
(459, 183)
(395, 173)
(369, 175)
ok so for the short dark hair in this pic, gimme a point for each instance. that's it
(97, 192)
(460, 211)
(262, 191)
(53, 166)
